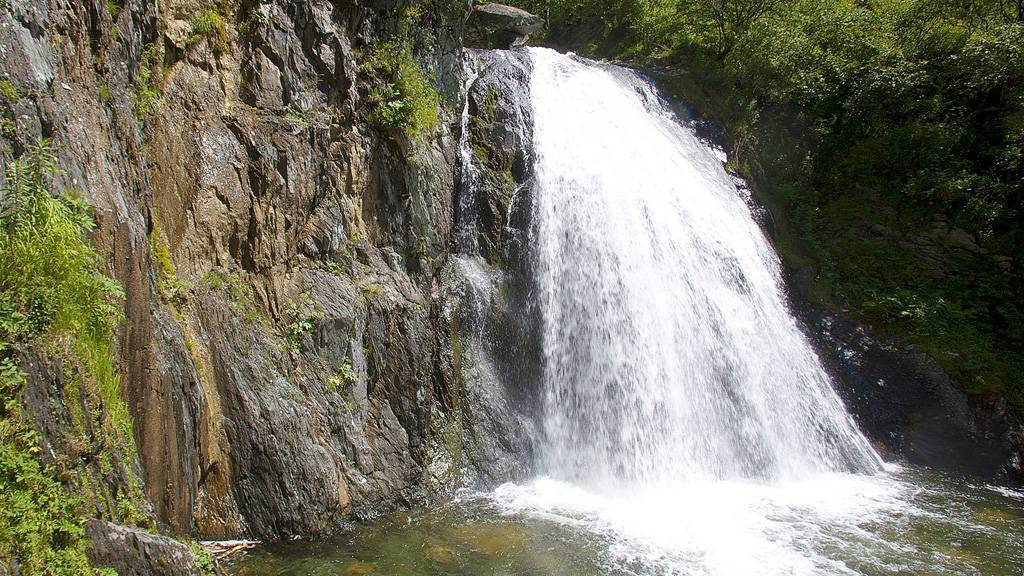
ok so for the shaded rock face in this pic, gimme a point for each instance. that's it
(283, 368)
(499, 26)
(488, 284)
(911, 408)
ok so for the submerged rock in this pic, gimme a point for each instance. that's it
(491, 539)
(499, 26)
(438, 553)
(358, 568)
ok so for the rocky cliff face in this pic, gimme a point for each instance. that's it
(279, 239)
(489, 280)
(910, 407)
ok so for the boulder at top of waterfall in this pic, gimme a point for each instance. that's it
(499, 26)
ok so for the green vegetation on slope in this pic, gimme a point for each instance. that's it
(403, 96)
(886, 136)
(52, 295)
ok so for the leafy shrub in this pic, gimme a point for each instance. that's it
(49, 273)
(343, 378)
(403, 97)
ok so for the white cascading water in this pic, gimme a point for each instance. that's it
(670, 352)
(686, 417)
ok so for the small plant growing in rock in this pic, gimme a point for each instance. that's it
(343, 378)
(297, 116)
(256, 20)
(147, 80)
(337, 268)
(9, 90)
(370, 290)
(242, 299)
(211, 23)
(303, 313)
(403, 96)
(172, 291)
(8, 127)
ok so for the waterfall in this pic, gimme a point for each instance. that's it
(669, 352)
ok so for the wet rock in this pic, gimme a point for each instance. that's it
(903, 400)
(438, 553)
(486, 290)
(499, 26)
(500, 138)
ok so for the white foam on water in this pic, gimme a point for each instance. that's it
(720, 528)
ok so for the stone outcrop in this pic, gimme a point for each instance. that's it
(134, 552)
(499, 26)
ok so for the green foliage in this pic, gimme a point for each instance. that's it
(114, 7)
(147, 81)
(9, 91)
(212, 23)
(344, 378)
(206, 564)
(904, 114)
(403, 97)
(51, 289)
(255, 20)
(337, 268)
(40, 525)
(302, 313)
(243, 301)
(49, 274)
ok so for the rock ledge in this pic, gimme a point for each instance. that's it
(499, 26)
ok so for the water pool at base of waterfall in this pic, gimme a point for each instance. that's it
(903, 522)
